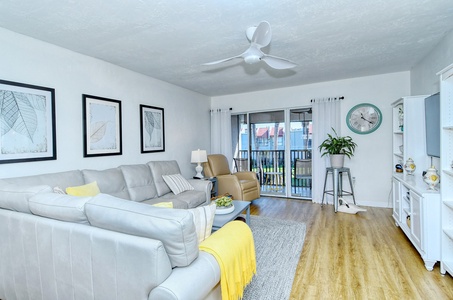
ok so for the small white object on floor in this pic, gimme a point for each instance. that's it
(349, 208)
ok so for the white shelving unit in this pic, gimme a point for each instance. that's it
(416, 209)
(412, 137)
(446, 154)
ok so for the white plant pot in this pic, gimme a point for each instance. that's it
(337, 160)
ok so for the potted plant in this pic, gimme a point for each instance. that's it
(337, 147)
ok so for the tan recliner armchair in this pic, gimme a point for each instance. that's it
(241, 185)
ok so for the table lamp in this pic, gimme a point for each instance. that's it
(198, 157)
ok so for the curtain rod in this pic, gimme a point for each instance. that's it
(330, 98)
(219, 109)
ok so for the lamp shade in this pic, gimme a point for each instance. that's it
(199, 156)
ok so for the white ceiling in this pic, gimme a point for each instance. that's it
(169, 40)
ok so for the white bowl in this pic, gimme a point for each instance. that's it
(222, 210)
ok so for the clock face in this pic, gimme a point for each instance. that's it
(364, 118)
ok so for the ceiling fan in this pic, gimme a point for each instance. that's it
(259, 37)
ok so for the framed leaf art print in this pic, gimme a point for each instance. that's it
(101, 126)
(152, 129)
(27, 123)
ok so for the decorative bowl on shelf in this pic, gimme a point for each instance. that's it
(409, 166)
(431, 178)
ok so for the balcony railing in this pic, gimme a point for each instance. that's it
(270, 166)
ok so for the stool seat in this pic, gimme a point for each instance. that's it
(337, 185)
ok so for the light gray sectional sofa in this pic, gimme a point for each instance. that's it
(109, 246)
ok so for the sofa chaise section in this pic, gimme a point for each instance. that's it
(101, 247)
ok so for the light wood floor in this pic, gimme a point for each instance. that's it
(363, 256)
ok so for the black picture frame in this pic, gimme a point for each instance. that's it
(102, 129)
(28, 126)
(152, 129)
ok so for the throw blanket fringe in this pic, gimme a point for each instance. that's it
(234, 249)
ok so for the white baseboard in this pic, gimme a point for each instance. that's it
(375, 204)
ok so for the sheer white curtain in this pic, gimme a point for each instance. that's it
(326, 115)
(221, 133)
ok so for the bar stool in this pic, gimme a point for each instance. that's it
(337, 181)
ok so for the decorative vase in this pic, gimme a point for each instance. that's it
(409, 166)
(431, 178)
(337, 161)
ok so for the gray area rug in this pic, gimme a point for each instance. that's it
(278, 245)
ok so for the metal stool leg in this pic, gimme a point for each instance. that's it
(324, 190)
(352, 188)
(335, 180)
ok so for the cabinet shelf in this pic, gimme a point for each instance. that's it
(448, 127)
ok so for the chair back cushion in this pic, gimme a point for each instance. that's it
(218, 164)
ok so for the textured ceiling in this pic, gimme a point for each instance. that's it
(169, 40)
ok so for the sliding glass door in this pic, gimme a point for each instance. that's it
(301, 152)
(277, 146)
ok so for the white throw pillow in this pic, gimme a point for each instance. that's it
(177, 183)
(203, 217)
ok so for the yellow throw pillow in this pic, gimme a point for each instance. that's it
(164, 204)
(90, 189)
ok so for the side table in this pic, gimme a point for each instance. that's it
(214, 185)
(239, 207)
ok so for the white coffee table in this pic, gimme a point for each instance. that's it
(239, 207)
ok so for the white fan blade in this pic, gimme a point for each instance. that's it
(221, 61)
(278, 62)
(263, 34)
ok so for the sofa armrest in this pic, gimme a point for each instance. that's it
(199, 280)
(203, 186)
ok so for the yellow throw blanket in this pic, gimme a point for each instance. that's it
(234, 249)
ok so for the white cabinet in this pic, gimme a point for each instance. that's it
(409, 139)
(416, 210)
(446, 154)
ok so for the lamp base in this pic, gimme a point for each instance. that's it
(199, 169)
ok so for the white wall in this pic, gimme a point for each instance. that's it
(372, 162)
(187, 119)
(424, 80)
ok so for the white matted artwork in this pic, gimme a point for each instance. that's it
(102, 126)
(152, 129)
(27, 123)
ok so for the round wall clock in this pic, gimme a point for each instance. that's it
(364, 118)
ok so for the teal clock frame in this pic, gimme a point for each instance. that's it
(348, 116)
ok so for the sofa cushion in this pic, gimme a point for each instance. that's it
(174, 228)
(203, 217)
(60, 179)
(190, 199)
(159, 168)
(110, 181)
(177, 183)
(139, 182)
(15, 197)
(175, 203)
(89, 189)
(59, 207)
